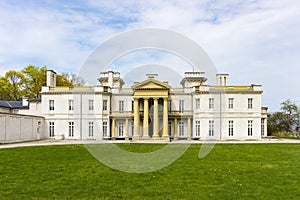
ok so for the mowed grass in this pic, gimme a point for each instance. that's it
(240, 171)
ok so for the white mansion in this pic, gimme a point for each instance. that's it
(151, 109)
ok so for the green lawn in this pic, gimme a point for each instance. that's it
(290, 137)
(240, 171)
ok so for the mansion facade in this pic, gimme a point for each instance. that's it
(151, 109)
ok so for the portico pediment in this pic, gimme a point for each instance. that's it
(151, 88)
(151, 84)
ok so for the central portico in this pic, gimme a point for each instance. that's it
(152, 96)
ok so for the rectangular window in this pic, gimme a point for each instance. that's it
(181, 105)
(211, 102)
(91, 129)
(104, 106)
(121, 106)
(104, 129)
(121, 129)
(91, 104)
(51, 104)
(132, 128)
(262, 127)
(250, 103)
(230, 103)
(211, 128)
(197, 103)
(230, 128)
(170, 128)
(51, 129)
(71, 104)
(250, 125)
(197, 128)
(71, 129)
(169, 105)
(181, 128)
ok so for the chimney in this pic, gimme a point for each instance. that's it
(25, 102)
(222, 79)
(51, 78)
(151, 75)
(110, 79)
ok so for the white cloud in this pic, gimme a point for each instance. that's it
(254, 41)
(57, 38)
(153, 58)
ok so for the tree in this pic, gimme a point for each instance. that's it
(4, 89)
(287, 120)
(35, 78)
(29, 81)
(12, 85)
(277, 123)
(62, 80)
(74, 79)
(291, 111)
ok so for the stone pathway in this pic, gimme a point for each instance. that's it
(68, 142)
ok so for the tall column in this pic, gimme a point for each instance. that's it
(265, 127)
(155, 118)
(113, 128)
(175, 127)
(165, 118)
(189, 128)
(146, 117)
(126, 129)
(136, 117)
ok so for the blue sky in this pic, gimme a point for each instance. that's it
(255, 41)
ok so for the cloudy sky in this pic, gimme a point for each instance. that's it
(255, 41)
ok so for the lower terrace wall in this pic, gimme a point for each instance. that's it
(18, 128)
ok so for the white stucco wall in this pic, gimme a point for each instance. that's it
(176, 97)
(5, 110)
(35, 108)
(15, 127)
(127, 103)
(221, 115)
(81, 115)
